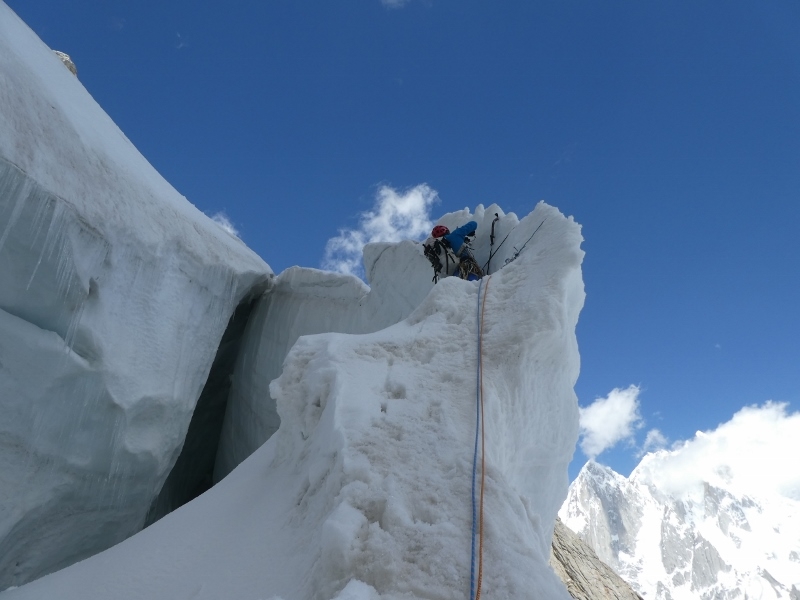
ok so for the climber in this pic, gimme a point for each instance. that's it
(450, 253)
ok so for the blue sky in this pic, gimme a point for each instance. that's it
(669, 130)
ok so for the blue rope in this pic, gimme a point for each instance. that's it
(475, 453)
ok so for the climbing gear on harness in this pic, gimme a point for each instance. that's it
(433, 257)
(439, 231)
(469, 267)
(516, 253)
(477, 519)
(433, 251)
(462, 264)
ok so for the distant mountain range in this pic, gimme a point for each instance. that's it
(704, 542)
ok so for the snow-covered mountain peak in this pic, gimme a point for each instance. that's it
(676, 538)
(601, 474)
(605, 510)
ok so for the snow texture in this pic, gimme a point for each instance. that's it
(363, 492)
(710, 543)
(305, 301)
(115, 294)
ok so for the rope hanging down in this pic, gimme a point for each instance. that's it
(477, 506)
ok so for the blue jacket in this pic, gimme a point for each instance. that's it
(456, 238)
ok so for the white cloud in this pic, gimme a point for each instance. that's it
(396, 216)
(756, 450)
(610, 420)
(224, 222)
(654, 440)
(394, 3)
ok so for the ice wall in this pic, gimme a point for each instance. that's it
(114, 296)
(308, 301)
(364, 491)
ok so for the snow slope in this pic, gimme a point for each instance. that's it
(115, 295)
(364, 491)
(709, 540)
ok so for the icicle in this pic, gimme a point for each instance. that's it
(38, 225)
(15, 186)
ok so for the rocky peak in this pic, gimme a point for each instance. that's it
(67, 62)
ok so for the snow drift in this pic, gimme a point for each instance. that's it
(114, 296)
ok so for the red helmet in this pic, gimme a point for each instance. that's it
(439, 231)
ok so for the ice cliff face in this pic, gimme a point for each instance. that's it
(363, 491)
(114, 295)
(307, 301)
(708, 543)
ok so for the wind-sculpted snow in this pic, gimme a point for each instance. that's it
(707, 543)
(114, 295)
(364, 490)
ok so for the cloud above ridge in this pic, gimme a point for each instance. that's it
(396, 215)
(755, 452)
(610, 420)
(655, 440)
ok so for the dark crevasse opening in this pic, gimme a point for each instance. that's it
(193, 471)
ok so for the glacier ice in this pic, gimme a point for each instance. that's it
(115, 295)
(363, 490)
(306, 301)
